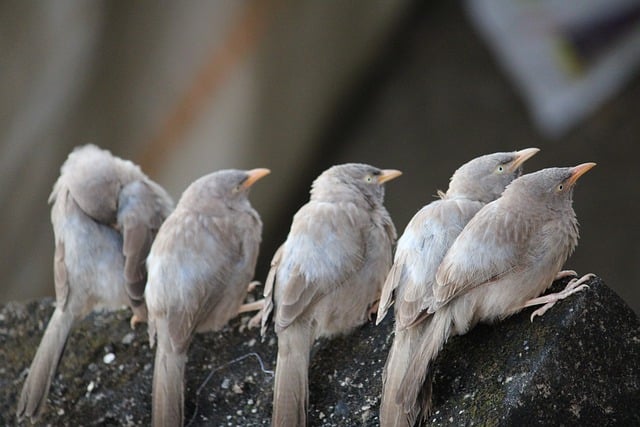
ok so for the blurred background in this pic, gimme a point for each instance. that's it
(186, 88)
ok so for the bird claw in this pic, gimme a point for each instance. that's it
(565, 273)
(575, 285)
(575, 282)
(252, 286)
(373, 310)
(255, 321)
(252, 306)
(135, 320)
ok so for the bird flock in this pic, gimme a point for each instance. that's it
(485, 249)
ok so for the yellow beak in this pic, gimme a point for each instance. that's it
(388, 175)
(578, 171)
(255, 175)
(522, 156)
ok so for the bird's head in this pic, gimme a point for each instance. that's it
(229, 185)
(485, 178)
(552, 187)
(353, 179)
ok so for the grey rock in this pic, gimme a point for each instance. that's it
(577, 365)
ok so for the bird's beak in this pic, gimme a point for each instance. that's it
(388, 175)
(522, 156)
(578, 171)
(255, 175)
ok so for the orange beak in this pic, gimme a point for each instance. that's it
(388, 175)
(255, 175)
(578, 171)
(522, 156)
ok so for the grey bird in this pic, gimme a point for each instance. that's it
(507, 255)
(105, 215)
(327, 276)
(420, 250)
(199, 266)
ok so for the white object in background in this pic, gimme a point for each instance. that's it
(565, 56)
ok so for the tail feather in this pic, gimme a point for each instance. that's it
(44, 365)
(404, 345)
(168, 383)
(414, 392)
(291, 386)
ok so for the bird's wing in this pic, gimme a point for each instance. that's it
(325, 248)
(213, 264)
(391, 283)
(488, 248)
(420, 251)
(268, 291)
(142, 207)
(59, 198)
(409, 256)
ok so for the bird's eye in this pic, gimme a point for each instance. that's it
(368, 179)
(500, 169)
(560, 187)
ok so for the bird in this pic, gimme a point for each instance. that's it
(420, 250)
(105, 214)
(507, 254)
(327, 276)
(199, 266)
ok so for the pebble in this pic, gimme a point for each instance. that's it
(108, 358)
(128, 338)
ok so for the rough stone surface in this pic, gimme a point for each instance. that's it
(578, 365)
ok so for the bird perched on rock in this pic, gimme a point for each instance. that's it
(199, 267)
(420, 250)
(105, 215)
(327, 276)
(507, 255)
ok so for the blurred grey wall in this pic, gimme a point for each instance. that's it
(185, 88)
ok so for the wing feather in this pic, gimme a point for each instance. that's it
(488, 248)
(141, 210)
(325, 248)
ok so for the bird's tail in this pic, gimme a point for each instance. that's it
(291, 387)
(414, 392)
(404, 345)
(43, 367)
(168, 382)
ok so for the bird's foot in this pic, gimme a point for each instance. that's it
(255, 321)
(373, 310)
(135, 319)
(575, 285)
(565, 273)
(251, 306)
(252, 286)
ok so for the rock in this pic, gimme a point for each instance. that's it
(577, 365)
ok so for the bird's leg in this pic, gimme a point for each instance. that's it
(373, 310)
(135, 320)
(565, 273)
(252, 286)
(257, 305)
(253, 306)
(575, 285)
(140, 315)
